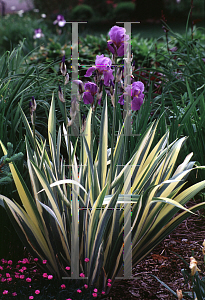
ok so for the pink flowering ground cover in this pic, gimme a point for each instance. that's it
(28, 278)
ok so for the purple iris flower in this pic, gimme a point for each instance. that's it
(103, 66)
(60, 21)
(90, 90)
(117, 40)
(38, 34)
(136, 92)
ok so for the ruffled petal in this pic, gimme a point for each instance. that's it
(90, 71)
(138, 85)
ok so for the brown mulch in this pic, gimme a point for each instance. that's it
(164, 264)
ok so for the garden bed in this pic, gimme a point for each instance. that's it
(164, 264)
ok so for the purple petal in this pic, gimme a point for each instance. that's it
(120, 51)
(128, 90)
(112, 50)
(103, 63)
(136, 103)
(90, 71)
(87, 98)
(118, 36)
(99, 101)
(121, 100)
(107, 76)
(138, 85)
(91, 88)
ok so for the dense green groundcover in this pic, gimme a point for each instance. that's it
(172, 69)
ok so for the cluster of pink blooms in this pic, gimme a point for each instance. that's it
(20, 271)
(18, 274)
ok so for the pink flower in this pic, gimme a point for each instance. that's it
(109, 280)
(1, 268)
(30, 298)
(86, 259)
(8, 275)
(17, 266)
(34, 270)
(94, 294)
(9, 279)
(25, 261)
(103, 292)
(14, 294)
(21, 276)
(45, 275)
(28, 279)
(67, 268)
(82, 275)
(3, 279)
(4, 261)
(10, 262)
(95, 290)
(44, 261)
(17, 275)
(63, 286)
(37, 292)
(23, 268)
(85, 286)
(50, 277)
(109, 284)
(35, 259)
(5, 292)
(79, 291)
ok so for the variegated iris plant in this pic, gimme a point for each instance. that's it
(149, 185)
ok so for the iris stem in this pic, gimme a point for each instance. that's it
(113, 132)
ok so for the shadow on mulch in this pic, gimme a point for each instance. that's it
(164, 264)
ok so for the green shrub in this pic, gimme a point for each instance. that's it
(14, 29)
(124, 11)
(181, 9)
(50, 6)
(82, 13)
